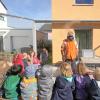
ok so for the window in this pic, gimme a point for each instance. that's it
(84, 39)
(1, 18)
(83, 1)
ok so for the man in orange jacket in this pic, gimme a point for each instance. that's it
(63, 50)
(69, 50)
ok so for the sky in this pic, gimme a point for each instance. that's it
(35, 9)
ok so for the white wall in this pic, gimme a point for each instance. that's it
(21, 38)
(49, 35)
(3, 24)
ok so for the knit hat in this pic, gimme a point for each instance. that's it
(46, 71)
(30, 71)
(70, 33)
(18, 61)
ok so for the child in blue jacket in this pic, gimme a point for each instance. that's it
(64, 85)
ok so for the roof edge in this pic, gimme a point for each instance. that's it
(3, 4)
(52, 21)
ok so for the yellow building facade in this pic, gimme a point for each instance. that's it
(83, 18)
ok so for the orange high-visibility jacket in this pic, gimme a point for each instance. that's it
(71, 50)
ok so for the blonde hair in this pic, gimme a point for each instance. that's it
(82, 69)
(66, 69)
(97, 73)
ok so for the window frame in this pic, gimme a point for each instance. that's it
(75, 3)
(2, 18)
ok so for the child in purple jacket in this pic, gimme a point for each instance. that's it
(83, 79)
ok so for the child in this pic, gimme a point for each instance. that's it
(11, 84)
(18, 60)
(33, 57)
(64, 84)
(45, 82)
(4, 67)
(84, 82)
(44, 56)
(97, 75)
(28, 84)
(25, 56)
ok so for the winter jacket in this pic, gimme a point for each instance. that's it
(93, 90)
(11, 85)
(71, 50)
(63, 89)
(86, 88)
(28, 84)
(28, 88)
(45, 82)
(80, 87)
